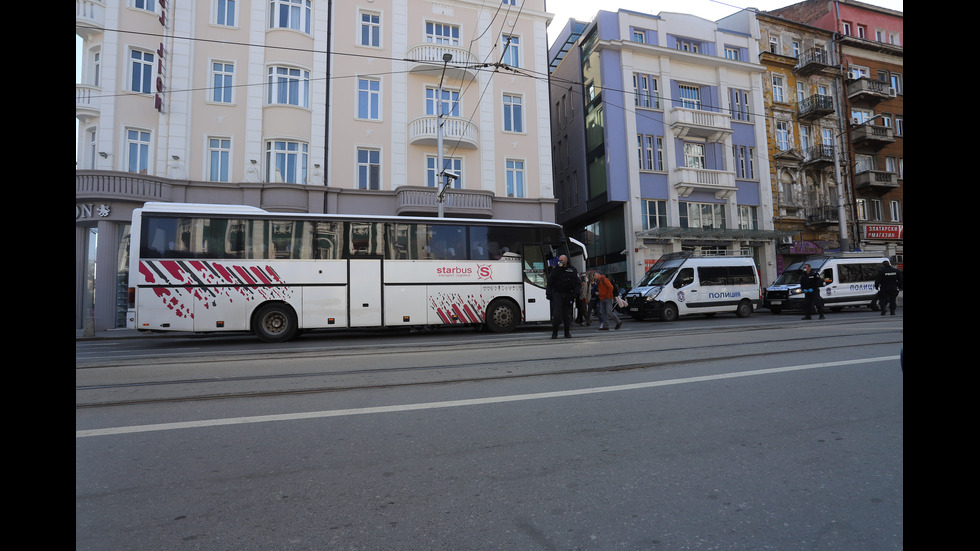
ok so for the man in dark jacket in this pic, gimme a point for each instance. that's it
(810, 284)
(563, 286)
(889, 283)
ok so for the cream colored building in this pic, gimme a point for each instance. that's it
(303, 106)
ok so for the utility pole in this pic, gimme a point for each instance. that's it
(441, 170)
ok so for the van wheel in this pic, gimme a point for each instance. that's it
(744, 309)
(274, 322)
(502, 316)
(669, 312)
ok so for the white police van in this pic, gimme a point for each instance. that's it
(849, 280)
(681, 284)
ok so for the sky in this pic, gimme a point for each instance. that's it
(585, 10)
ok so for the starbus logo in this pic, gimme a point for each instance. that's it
(482, 271)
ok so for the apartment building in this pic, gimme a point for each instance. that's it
(869, 56)
(803, 89)
(659, 139)
(303, 106)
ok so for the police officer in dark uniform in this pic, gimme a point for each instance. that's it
(889, 283)
(563, 287)
(810, 284)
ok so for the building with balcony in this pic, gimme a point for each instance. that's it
(659, 139)
(303, 106)
(868, 52)
(803, 88)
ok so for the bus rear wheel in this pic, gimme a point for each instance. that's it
(502, 316)
(274, 322)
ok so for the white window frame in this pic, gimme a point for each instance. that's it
(367, 169)
(513, 111)
(368, 99)
(222, 82)
(218, 159)
(220, 14)
(452, 164)
(138, 150)
(449, 103)
(291, 155)
(778, 93)
(511, 43)
(285, 80)
(369, 33)
(692, 98)
(653, 210)
(437, 32)
(516, 177)
(145, 64)
(782, 135)
(694, 155)
(291, 14)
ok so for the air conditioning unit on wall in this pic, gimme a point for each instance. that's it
(786, 240)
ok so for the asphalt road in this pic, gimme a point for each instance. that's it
(762, 433)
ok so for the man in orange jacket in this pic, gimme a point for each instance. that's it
(606, 311)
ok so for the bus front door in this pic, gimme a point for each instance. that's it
(364, 292)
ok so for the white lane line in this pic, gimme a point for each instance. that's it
(460, 403)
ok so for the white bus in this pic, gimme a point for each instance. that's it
(212, 268)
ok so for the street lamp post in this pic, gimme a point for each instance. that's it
(441, 195)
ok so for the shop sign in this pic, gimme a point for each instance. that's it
(884, 231)
(91, 210)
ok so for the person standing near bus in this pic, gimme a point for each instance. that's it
(562, 290)
(889, 283)
(810, 284)
(584, 317)
(606, 295)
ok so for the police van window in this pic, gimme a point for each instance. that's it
(828, 274)
(869, 272)
(713, 275)
(685, 277)
(741, 275)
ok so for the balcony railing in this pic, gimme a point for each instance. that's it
(428, 57)
(822, 216)
(87, 102)
(89, 17)
(872, 136)
(868, 90)
(819, 156)
(456, 131)
(687, 180)
(126, 186)
(421, 201)
(813, 60)
(816, 106)
(696, 123)
(876, 180)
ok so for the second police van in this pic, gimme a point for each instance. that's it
(681, 284)
(849, 280)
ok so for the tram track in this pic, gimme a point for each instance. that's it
(426, 366)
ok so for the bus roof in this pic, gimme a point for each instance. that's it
(246, 210)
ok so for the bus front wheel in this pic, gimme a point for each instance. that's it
(274, 322)
(502, 316)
